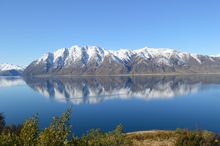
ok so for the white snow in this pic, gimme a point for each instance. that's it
(156, 52)
(59, 53)
(85, 54)
(123, 54)
(43, 58)
(218, 55)
(67, 56)
(195, 56)
(6, 67)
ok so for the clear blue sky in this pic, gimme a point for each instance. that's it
(29, 28)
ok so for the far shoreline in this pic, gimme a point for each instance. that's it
(125, 75)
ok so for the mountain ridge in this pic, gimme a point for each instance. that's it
(93, 60)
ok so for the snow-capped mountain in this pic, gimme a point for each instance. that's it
(5, 67)
(10, 70)
(78, 60)
(218, 55)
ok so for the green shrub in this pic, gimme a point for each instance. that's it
(58, 132)
(29, 132)
(9, 139)
(196, 138)
(15, 129)
(98, 138)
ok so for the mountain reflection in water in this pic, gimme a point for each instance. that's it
(11, 81)
(138, 102)
(92, 90)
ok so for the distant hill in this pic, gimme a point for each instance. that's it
(10, 70)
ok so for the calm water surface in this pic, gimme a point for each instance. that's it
(139, 103)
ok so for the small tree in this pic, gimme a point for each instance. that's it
(58, 131)
(29, 132)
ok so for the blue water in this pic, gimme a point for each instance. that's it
(139, 103)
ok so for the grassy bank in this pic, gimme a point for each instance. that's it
(59, 133)
(179, 137)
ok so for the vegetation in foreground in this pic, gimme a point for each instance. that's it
(179, 137)
(59, 133)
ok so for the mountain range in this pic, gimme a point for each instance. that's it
(93, 60)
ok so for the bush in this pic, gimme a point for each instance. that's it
(196, 138)
(9, 139)
(15, 129)
(2, 122)
(96, 137)
(58, 132)
(29, 132)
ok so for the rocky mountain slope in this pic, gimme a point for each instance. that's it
(93, 60)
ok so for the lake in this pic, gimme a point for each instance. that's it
(139, 102)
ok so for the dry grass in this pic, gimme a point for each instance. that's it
(153, 138)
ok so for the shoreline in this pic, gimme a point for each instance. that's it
(153, 138)
(148, 131)
(126, 75)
